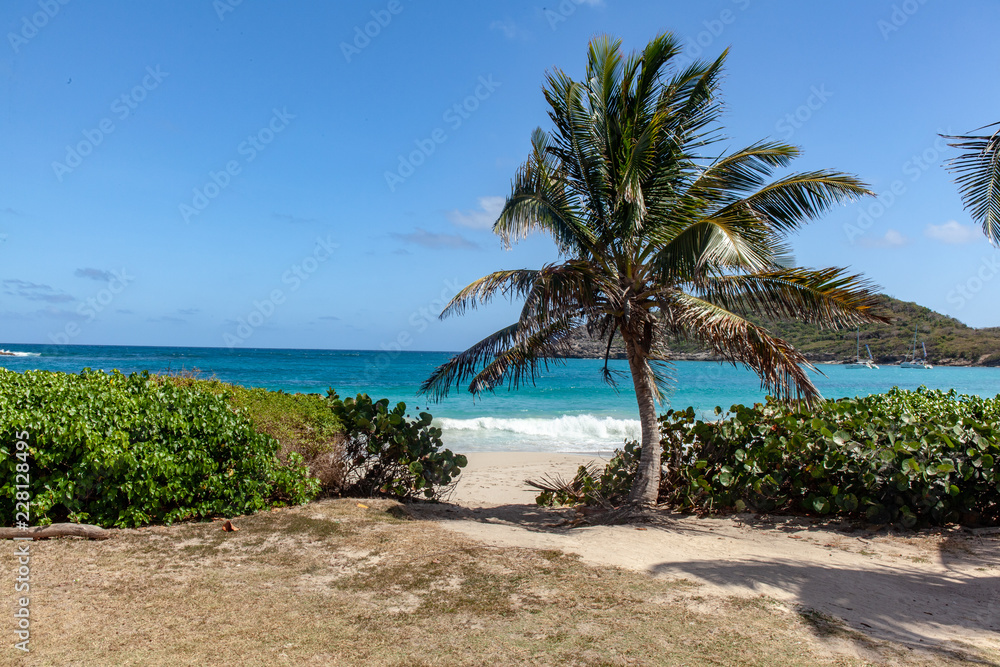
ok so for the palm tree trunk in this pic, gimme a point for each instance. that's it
(646, 487)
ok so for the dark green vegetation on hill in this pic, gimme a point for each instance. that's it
(124, 451)
(909, 457)
(948, 341)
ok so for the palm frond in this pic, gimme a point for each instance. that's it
(514, 354)
(827, 297)
(743, 171)
(540, 201)
(787, 203)
(465, 364)
(681, 253)
(560, 290)
(511, 284)
(778, 365)
(978, 178)
(522, 361)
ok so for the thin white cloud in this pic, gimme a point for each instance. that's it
(891, 239)
(35, 291)
(427, 239)
(509, 29)
(481, 218)
(293, 219)
(953, 232)
(99, 275)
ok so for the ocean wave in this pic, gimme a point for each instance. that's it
(567, 433)
(8, 353)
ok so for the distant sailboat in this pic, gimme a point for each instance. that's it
(913, 362)
(858, 362)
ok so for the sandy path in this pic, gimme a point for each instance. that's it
(934, 588)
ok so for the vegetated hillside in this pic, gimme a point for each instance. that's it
(948, 341)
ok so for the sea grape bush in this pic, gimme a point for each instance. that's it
(124, 451)
(388, 454)
(923, 457)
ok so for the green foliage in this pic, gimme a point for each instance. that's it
(947, 339)
(298, 421)
(124, 451)
(389, 455)
(589, 486)
(301, 423)
(922, 457)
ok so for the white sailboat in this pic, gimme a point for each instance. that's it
(913, 362)
(858, 362)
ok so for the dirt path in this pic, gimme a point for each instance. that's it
(933, 588)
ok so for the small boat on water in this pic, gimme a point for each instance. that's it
(858, 363)
(912, 355)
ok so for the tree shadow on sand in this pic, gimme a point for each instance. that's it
(884, 602)
(530, 517)
(928, 610)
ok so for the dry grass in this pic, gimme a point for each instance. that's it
(332, 583)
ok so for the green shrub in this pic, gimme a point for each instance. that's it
(386, 454)
(301, 423)
(914, 457)
(124, 451)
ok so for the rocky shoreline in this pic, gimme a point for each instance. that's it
(582, 347)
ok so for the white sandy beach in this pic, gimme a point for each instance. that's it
(933, 588)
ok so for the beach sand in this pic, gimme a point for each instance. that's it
(933, 588)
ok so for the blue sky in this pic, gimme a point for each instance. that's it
(256, 174)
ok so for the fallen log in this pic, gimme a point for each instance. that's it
(56, 530)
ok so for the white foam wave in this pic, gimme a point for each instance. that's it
(568, 433)
(8, 353)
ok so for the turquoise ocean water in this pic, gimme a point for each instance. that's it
(570, 409)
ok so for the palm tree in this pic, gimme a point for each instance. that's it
(657, 240)
(978, 169)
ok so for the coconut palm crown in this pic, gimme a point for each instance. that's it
(657, 239)
(977, 172)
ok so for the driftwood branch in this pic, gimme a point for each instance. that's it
(56, 530)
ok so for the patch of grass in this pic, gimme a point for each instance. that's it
(334, 583)
(825, 625)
